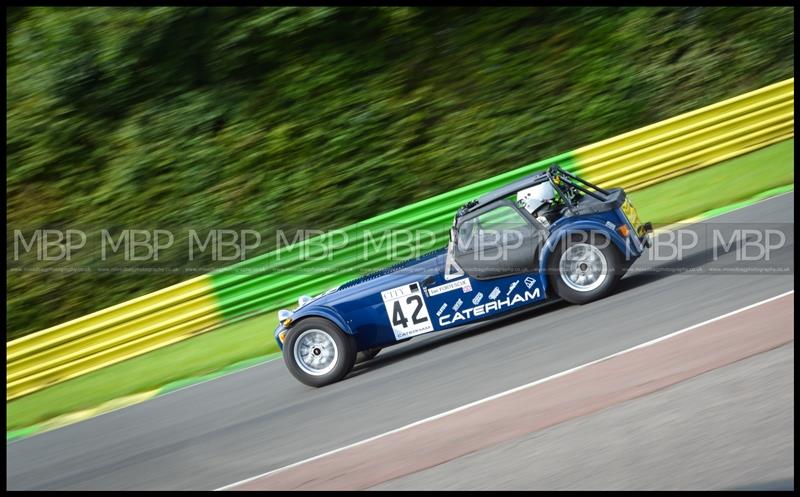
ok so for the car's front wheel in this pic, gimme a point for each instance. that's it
(318, 353)
(585, 267)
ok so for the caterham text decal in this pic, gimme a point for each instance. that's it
(488, 307)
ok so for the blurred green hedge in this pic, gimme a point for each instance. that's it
(270, 118)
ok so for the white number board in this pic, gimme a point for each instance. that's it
(407, 311)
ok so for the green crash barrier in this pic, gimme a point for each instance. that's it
(251, 285)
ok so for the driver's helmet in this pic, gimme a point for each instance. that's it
(534, 197)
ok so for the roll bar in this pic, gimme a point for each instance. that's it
(557, 177)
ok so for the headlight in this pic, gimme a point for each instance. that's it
(285, 317)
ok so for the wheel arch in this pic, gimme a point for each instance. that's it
(325, 313)
(579, 227)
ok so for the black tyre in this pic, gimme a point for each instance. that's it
(584, 267)
(366, 355)
(318, 353)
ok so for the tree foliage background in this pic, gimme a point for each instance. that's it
(270, 117)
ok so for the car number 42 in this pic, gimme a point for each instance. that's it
(407, 311)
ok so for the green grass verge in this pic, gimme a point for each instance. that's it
(239, 344)
(717, 186)
(250, 341)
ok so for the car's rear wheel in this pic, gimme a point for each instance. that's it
(584, 267)
(366, 355)
(318, 353)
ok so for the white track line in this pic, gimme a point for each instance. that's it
(513, 390)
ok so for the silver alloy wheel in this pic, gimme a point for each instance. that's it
(315, 352)
(583, 267)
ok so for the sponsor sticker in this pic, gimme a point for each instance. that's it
(495, 293)
(529, 282)
(462, 283)
(458, 304)
(441, 309)
(477, 298)
(512, 287)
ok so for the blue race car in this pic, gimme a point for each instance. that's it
(550, 235)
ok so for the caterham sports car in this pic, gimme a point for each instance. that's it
(548, 236)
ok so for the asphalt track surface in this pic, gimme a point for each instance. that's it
(259, 419)
(674, 439)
